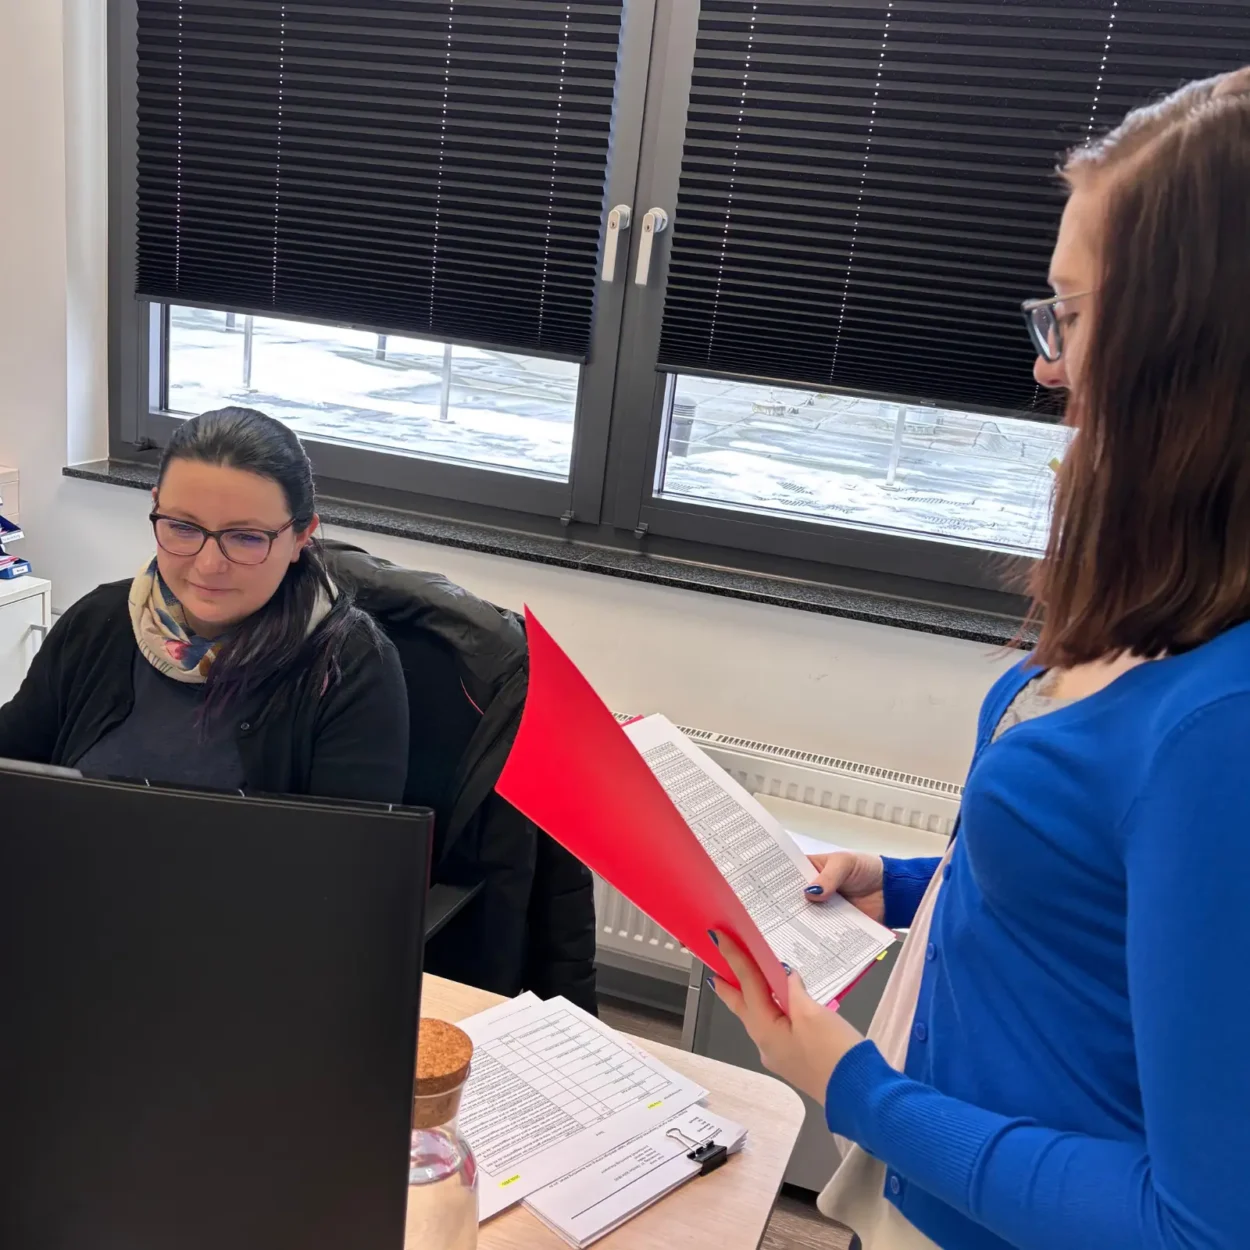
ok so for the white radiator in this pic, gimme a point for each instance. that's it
(816, 797)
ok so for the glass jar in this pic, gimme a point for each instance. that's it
(442, 1173)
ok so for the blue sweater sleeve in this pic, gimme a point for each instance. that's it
(1183, 1186)
(904, 885)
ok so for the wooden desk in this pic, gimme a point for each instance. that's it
(725, 1211)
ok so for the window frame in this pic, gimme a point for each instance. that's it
(610, 497)
(138, 332)
(641, 416)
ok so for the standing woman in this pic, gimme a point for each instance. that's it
(231, 661)
(1062, 1058)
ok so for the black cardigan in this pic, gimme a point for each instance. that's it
(349, 743)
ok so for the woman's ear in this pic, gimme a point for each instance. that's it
(303, 539)
(156, 497)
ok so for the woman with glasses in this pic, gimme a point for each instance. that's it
(231, 661)
(1062, 1055)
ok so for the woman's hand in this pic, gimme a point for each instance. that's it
(802, 1048)
(860, 879)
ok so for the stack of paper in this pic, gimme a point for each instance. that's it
(552, 1087)
(577, 1121)
(605, 1192)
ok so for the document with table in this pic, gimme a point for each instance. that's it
(829, 945)
(575, 1120)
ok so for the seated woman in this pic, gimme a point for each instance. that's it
(231, 661)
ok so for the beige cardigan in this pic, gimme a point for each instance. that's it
(856, 1194)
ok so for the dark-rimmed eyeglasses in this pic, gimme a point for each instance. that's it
(239, 546)
(1046, 320)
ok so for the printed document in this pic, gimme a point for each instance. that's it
(551, 1087)
(829, 944)
(608, 1190)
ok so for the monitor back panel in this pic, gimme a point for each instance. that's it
(208, 1011)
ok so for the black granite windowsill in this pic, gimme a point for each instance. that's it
(929, 618)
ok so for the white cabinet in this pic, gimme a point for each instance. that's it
(25, 617)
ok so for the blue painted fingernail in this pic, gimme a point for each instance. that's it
(711, 982)
(814, 889)
(712, 934)
(787, 968)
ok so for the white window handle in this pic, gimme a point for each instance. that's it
(618, 220)
(654, 221)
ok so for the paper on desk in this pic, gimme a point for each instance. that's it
(576, 775)
(830, 943)
(608, 1190)
(551, 1087)
(509, 1007)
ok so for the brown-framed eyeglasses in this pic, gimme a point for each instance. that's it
(239, 546)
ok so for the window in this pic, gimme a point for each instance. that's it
(417, 397)
(742, 274)
(870, 463)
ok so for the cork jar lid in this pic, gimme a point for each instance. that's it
(443, 1056)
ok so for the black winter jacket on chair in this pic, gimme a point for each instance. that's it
(466, 665)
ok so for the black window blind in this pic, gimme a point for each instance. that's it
(431, 167)
(868, 190)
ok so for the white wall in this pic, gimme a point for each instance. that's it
(887, 696)
(32, 244)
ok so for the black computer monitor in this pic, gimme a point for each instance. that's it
(208, 1017)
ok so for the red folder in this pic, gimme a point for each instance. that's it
(576, 775)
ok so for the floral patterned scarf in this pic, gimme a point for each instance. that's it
(163, 636)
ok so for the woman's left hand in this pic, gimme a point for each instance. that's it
(803, 1047)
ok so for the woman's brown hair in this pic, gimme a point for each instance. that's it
(1149, 549)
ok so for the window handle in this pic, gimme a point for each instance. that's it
(654, 221)
(618, 220)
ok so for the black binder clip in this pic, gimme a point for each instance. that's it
(708, 1156)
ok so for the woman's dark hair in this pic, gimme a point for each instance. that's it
(274, 641)
(1149, 549)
